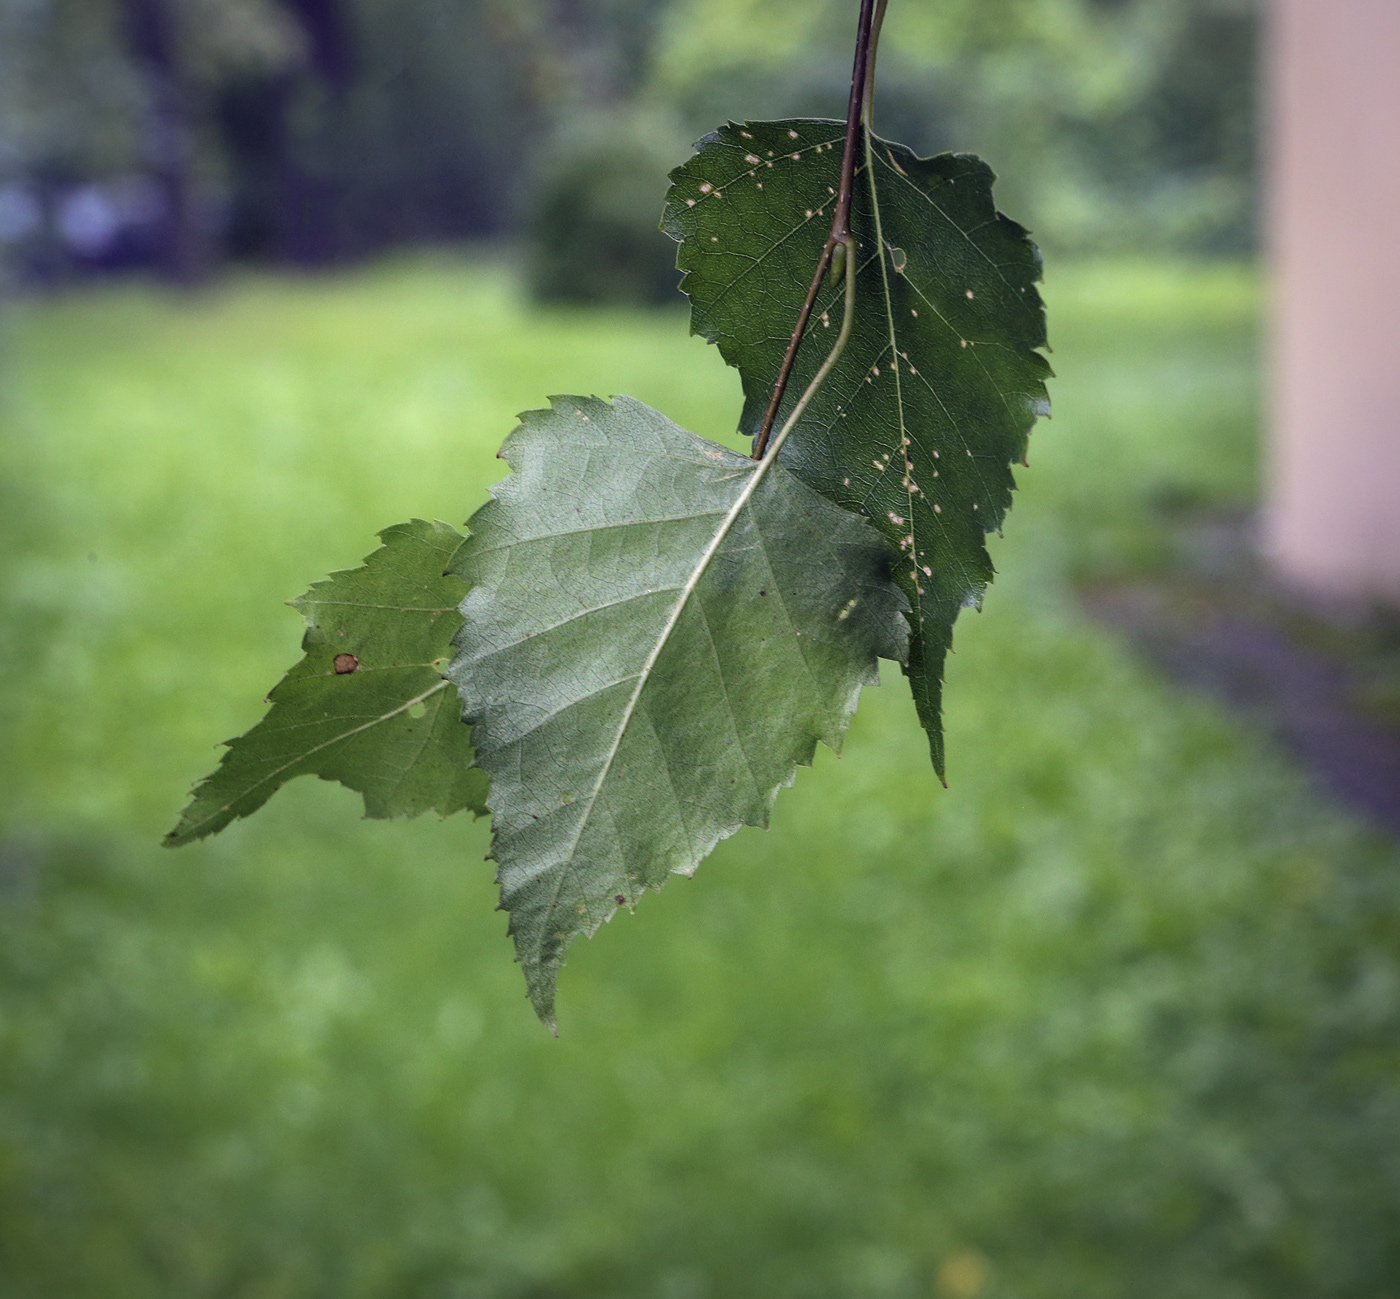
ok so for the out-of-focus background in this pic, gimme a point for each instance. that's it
(1114, 1015)
(184, 135)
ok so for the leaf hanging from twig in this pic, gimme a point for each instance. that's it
(658, 632)
(368, 706)
(936, 391)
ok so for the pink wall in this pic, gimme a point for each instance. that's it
(1332, 516)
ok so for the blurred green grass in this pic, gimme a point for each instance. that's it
(1114, 1015)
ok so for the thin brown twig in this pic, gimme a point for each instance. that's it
(868, 112)
(840, 220)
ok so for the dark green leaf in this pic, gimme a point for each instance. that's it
(658, 632)
(938, 387)
(368, 705)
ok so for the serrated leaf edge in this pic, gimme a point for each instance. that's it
(542, 992)
(303, 604)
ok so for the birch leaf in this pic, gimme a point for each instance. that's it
(658, 632)
(935, 394)
(368, 706)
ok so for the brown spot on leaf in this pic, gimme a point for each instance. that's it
(620, 900)
(345, 663)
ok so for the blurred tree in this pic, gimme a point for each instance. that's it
(67, 100)
(330, 126)
(66, 91)
(406, 119)
(594, 193)
(154, 43)
(1121, 124)
(278, 205)
(593, 225)
(99, 89)
(316, 130)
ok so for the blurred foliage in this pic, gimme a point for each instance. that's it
(1115, 1014)
(67, 95)
(1115, 124)
(71, 98)
(321, 129)
(314, 129)
(594, 227)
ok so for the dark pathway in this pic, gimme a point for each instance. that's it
(1201, 637)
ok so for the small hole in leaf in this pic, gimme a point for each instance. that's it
(420, 709)
(898, 258)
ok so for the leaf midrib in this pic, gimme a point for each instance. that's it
(887, 300)
(740, 502)
(325, 744)
(916, 591)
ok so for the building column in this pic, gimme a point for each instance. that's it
(1332, 492)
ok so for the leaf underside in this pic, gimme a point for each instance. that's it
(368, 706)
(658, 632)
(936, 392)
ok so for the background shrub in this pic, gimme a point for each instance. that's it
(593, 227)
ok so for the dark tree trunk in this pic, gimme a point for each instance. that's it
(330, 40)
(167, 138)
(310, 216)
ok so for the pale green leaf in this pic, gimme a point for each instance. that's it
(368, 706)
(658, 632)
(934, 396)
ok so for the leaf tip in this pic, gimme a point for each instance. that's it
(542, 999)
(183, 833)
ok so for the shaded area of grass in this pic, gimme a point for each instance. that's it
(1113, 1015)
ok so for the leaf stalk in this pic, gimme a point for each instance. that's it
(868, 111)
(848, 316)
(856, 110)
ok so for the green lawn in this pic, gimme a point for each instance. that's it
(1113, 1016)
